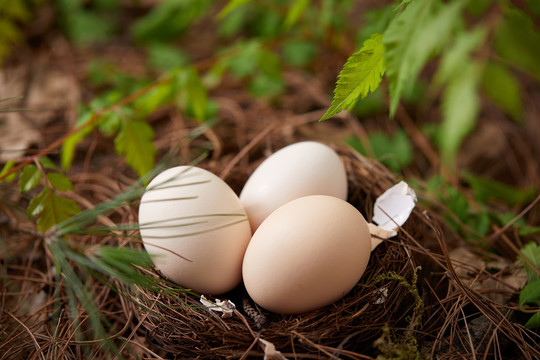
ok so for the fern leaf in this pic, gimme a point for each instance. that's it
(361, 74)
(419, 32)
(135, 142)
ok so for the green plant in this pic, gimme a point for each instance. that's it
(530, 294)
(416, 32)
(13, 13)
(406, 347)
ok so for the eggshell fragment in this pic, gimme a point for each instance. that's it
(301, 169)
(194, 226)
(307, 254)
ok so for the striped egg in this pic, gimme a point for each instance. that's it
(195, 228)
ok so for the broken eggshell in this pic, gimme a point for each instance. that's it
(390, 211)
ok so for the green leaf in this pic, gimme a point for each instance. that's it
(166, 57)
(231, 6)
(530, 294)
(135, 142)
(169, 19)
(460, 107)
(531, 251)
(30, 177)
(299, 52)
(501, 86)
(487, 189)
(67, 152)
(47, 163)
(234, 22)
(529, 230)
(51, 209)
(196, 95)
(59, 181)
(534, 321)
(241, 58)
(294, 13)
(361, 74)
(459, 54)
(419, 32)
(534, 5)
(85, 26)
(517, 41)
(154, 99)
(7, 167)
(395, 152)
(266, 85)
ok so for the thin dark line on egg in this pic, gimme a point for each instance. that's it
(171, 199)
(158, 187)
(142, 225)
(168, 250)
(172, 226)
(196, 232)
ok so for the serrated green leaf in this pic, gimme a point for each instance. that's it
(51, 209)
(534, 321)
(59, 181)
(419, 32)
(487, 189)
(459, 54)
(294, 13)
(530, 294)
(501, 86)
(30, 177)
(361, 74)
(135, 142)
(460, 106)
(531, 251)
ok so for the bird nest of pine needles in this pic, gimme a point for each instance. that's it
(415, 299)
(387, 296)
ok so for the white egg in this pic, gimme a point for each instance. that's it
(306, 255)
(195, 228)
(301, 169)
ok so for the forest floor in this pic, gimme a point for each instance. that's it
(481, 307)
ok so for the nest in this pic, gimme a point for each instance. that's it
(179, 326)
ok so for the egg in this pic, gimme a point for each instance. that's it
(307, 254)
(195, 228)
(301, 169)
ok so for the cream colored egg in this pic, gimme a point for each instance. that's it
(301, 169)
(307, 254)
(193, 225)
